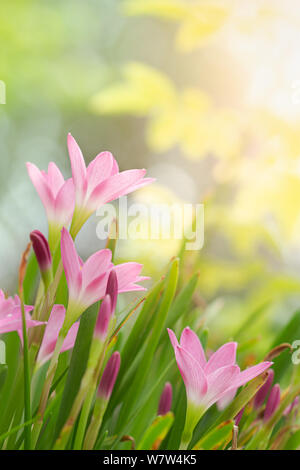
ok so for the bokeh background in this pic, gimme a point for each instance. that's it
(205, 95)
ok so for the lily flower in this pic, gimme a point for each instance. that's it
(87, 282)
(57, 196)
(99, 183)
(206, 382)
(11, 314)
(55, 322)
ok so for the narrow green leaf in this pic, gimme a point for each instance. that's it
(78, 364)
(216, 438)
(156, 432)
(152, 341)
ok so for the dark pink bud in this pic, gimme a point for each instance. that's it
(262, 393)
(165, 401)
(291, 407)
(43, 255)
(272, 403)
(109, 376)
(103, 319)
(238, 417)
(112, 289)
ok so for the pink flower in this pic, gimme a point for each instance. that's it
(207, 382)
(87, 281)
(57, 196)
(100, 182)
(11, 315)
(52, 329)
(165, 401)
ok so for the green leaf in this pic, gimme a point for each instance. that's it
(156, 432)
(293, 442)
(182, 302)
(216, 438)
(288, 334)
(242, 399)
(78, 364)
(3, 374)
(152, 342)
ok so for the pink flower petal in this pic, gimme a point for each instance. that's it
(219, 382)
(99, 170)
(190, 341)
(96, 265)
(173, 338)
(65, 202)
(192, 374)
(42, 188)
(115, 187)
(55, 178)
(78, 167)
(224, 356)
(127, 274)
(71, 263)
(251, 373)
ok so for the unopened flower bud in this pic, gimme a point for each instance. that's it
(165, 401)
(272, 403)
(109, 376)
(262, 393)
(43, 255)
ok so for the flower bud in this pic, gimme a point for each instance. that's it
(272, 403)
(291, 407)
(262, 393)
(103, 319)
(112, 289)
(43, 255)
(109, 376)
(165, 401)
(239, 416)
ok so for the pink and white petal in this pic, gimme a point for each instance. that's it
(127, 275)
(71, 263)
(250, 373)
(94, 291)
(190, 341)
(192, 374)
(55, 178)
(226, 399)
(70, 338)
(96, 265)
(52, 329)
(42, 188)
(173, 338)
(219, 383)
(114, 187)
(65, 202)
(99, 170)
(224, 356)
(78, 167)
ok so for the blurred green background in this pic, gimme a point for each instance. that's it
(205, 95)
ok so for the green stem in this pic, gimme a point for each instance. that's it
(27, 400)
(93, 429)
(47, 385)
(83, 419)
